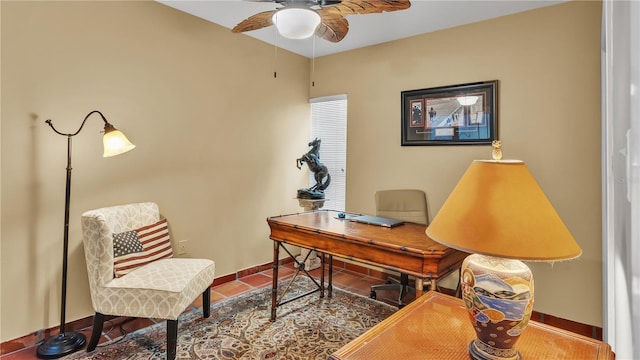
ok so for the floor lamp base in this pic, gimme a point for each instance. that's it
(61, 345)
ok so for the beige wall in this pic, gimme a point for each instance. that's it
(217, 135)
(547, 62)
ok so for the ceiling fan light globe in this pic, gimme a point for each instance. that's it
(296, 23)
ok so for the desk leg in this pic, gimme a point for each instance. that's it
(322, 261)
(419, 287)
(274, 285)
(330, 287)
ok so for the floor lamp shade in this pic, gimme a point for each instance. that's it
(67, 342)
(115, 142)
(499, 213)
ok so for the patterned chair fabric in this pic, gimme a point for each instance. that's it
(162, 289)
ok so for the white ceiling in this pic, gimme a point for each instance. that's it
(366, 29)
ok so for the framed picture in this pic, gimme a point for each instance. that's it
(462, 114)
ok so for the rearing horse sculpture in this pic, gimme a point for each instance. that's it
(320, 172)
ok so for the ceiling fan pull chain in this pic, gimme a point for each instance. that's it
(275, 61)
(313, 63)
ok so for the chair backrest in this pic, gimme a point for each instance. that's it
(407, 205)
(98, 227)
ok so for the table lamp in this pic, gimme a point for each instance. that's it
(114, 143)
(498, 212)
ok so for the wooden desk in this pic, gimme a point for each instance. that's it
(404, 248)
(437, 326)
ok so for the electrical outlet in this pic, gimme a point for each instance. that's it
(182, 247)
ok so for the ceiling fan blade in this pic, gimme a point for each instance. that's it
(255, 22)
(333, 26)
(347, 7)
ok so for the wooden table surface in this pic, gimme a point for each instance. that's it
(437, 326)
(405, 248)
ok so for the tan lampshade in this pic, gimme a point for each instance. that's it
(498, 209)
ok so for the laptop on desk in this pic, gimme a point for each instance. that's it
(376, 220)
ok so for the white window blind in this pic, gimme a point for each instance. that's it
(329, 123)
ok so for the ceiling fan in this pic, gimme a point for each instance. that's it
(299, 19)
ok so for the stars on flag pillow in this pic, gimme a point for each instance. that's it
(136, 248)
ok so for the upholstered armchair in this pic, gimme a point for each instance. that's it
(132, 271)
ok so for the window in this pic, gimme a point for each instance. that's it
(329, 124)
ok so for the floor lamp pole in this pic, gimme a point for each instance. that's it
(65, 342)
(115, 143)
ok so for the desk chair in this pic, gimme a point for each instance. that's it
(409, 206)
(132, 271)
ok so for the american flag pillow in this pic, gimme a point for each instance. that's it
(133, 249)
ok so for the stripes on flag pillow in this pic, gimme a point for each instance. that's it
(136, 248)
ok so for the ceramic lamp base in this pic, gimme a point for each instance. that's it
(477, 354)
(498, 294)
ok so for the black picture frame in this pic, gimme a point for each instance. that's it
(464, 114)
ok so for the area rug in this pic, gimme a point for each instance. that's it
(309, 328)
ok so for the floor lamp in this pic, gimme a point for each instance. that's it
(67, 342)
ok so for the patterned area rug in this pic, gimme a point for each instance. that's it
(239, 328)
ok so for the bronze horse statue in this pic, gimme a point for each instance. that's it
(319, 170)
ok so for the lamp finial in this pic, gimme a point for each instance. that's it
(497, 150)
